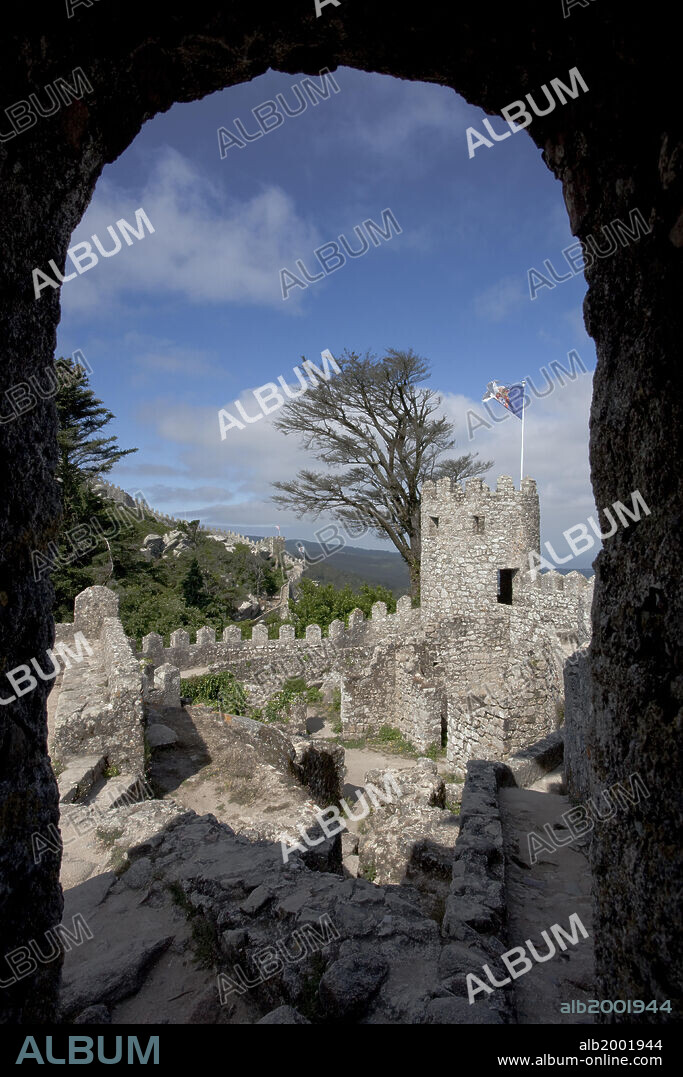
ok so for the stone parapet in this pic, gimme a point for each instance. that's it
(100, 707)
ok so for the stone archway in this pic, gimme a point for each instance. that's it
(616, 148)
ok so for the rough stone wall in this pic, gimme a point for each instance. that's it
(420, 702)
(415, 671)
(478, 733)
(361, 632)
(476, 916)
(124, 688)
(100, 707)
(475, 920)
(368, 692)
(90, 609)
(321, 767)
(533, 680)
(561, 602)
(467, 536)
(502, 674)
(392, 686)
(531, 763)
(579, 733)
(613, 149)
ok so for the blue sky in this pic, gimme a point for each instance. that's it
(191, 318)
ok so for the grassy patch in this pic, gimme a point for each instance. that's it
(108, 837)
(392, 739)
(359, 742)
(217, 690)
(112, 771)
(435, 752)
(369, 872)
(279, 707)
(205, 942)
(387, 739)
(118, 860)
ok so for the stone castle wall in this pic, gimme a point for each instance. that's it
(100, 709)
(481, 676)
(580, 735)
(468, 535)
(206, 649)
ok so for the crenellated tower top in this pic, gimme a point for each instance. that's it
(475, 541)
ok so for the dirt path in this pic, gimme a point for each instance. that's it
(545, 893)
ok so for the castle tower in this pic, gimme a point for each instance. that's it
(476, 544)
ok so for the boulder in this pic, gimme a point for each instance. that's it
(152, 545)
(411, 838)
(349, 985)
(247, 609)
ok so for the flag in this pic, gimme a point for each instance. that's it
(510, 396)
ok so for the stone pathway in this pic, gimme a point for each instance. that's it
(546, 893)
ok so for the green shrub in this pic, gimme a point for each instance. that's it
(279, 707)
(217, 689)
(323, 603)
(295, 684)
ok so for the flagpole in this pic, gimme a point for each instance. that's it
(521, 458)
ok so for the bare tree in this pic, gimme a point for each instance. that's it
(384, 436)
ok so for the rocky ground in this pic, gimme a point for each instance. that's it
(195, 917)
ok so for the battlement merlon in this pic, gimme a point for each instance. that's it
(447, 489)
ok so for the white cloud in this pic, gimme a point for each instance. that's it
(206, 247)
(403, 111)
(228, 481)
(501, 299)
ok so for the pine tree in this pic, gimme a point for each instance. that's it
(82, 454)
(383, 435)
(192, 586)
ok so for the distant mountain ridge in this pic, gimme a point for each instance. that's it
(352, 565)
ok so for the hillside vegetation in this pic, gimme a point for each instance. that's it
(170, 592)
